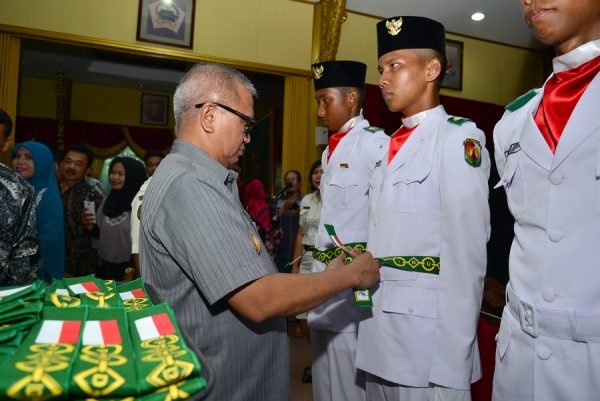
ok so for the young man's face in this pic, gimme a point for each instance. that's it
(152, 164)
(332, 108)
(564, 24)
(403, 81)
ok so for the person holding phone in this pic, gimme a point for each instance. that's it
(80, 258)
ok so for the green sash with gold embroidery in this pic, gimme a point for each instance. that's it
(163, 358)
(133, 295)
(41, 368)
(105, 365)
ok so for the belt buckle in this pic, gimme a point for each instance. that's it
(528, 318)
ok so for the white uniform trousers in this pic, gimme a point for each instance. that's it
(379, 389)
(335, 377)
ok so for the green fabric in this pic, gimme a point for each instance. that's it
(521, 101)
(101, 299)
(105, 368)
(8, 306)
(458, 120)
(137, 303)
(30, 292)
(178, 391)
(327, 255)
(372, 128)
(164, 360)
(421, 264)
(55, 296)
(40, 371)
(69, 281)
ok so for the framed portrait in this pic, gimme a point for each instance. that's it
(155, 109)
(454, 68)
(166, 22)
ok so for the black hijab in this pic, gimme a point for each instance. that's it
(119, 200)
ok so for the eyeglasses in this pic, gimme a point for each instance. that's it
(250, 122)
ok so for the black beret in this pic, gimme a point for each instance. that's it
(398, 33)
(337, 74)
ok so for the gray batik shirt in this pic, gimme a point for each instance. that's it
(197, 245)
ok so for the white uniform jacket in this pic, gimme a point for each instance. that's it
(428, 202)
(548, 347)
(344, 191)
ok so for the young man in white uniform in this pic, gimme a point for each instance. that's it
(547, 148)
(348, 161)
(429, 225)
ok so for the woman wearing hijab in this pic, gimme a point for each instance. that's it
(35, 162)
(112, 224)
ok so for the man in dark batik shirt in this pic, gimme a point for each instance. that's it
(80, 258)
(18, 234)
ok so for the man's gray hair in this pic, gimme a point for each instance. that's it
(204, 79)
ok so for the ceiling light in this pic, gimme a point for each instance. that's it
(478, 16)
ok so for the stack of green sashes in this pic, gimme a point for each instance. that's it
(20, 308)
(99, 341)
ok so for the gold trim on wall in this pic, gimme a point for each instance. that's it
(153, 51)
(10, 48)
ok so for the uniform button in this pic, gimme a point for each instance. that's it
(548, 294)
(556, 178)
(543, 352)
(411, 309)
(554, 235)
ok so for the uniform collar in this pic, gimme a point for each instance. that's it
(416, 119)
(576, 57)
(199, 156)
(351, 123)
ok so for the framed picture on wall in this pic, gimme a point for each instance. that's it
(166, 22)
(454, 68)
(155, 109)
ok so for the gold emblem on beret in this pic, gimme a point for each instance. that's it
(317, 71)
(394, 26)
(256, 242)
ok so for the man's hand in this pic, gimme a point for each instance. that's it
(365, 268)
(88, 219)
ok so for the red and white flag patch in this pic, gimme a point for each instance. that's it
(59, 331)
(101, 332)
(154, 326)
(133, 294)
(83, 288)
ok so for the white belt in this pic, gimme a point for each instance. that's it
(563, 324)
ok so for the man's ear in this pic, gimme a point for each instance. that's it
(433, 70)
(7, 144)
(351, 99)
(207, 116)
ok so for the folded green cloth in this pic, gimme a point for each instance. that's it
(162, 356)
(178, 391)
(59, 296)
(30, 292)
(105, 365)
(41, 368)
(85, 284)
(133, 295)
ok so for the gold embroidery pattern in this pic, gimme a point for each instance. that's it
(328, 255)
(174, 392)
(101, 380)
(64, 301)
(136, 303)
(166, 350)
(101, 297)
(39, 385)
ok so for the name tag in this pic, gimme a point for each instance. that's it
(344, 165)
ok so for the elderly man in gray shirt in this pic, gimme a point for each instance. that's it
(202, 252)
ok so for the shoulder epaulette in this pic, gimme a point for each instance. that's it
(520, 101)
(373, 129)
(458, 120)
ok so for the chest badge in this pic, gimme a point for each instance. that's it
(472, 152)
(256, 242)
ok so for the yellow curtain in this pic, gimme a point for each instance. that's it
(299, 150)
(10, 47)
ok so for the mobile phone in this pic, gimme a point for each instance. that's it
(90, 206)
